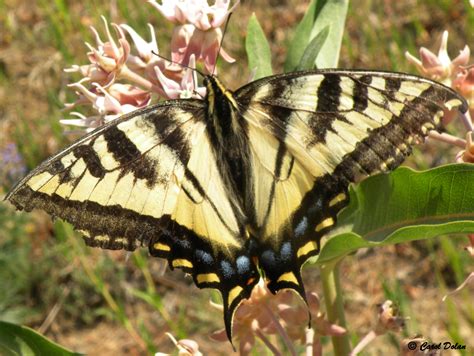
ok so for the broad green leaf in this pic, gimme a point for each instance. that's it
(258, 50)
(320, 14)
(311, 52)
(21, 340)
(404, 206)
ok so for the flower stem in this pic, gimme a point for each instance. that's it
(364, 342)
(126, 73)
(467, 121)
(334, 306)
(450, 139)
(281, 331)
(267, 342)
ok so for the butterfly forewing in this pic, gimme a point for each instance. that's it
(312, 134)
(147, 179)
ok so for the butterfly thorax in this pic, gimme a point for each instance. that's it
(228, 132)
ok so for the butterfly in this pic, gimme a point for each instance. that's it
(237, 185)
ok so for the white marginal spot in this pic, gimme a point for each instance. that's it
(437, 117)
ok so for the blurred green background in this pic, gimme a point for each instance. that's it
(104, 302)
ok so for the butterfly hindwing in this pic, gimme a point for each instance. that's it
(313, 133)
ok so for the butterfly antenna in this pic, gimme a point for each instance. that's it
(231, 11)
(197, 93)
(180, 64)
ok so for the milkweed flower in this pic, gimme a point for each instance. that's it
(455, 73)
(186, 347)
(145, 50)
(464, 84)
(458, 75)
(125, 71)
(195, 12)
(267, 314)
(107, 59)
(440, 67)
(387, 320)
(188, 40)
(198, 31)
(186, 88)
(110, 103)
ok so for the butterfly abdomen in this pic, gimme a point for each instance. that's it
(229, 133)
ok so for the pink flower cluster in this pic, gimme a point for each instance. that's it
(457, 74)
(125, 73)
(265, 314)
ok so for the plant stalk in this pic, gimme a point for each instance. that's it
(335, 306)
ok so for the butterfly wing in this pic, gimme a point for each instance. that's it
(149, 179)
(311, 134)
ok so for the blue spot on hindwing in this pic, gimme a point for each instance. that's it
(204, 257)
(286, 251)
(268, 258)
(301, 227)
(243, 264)
(180, 242)
(227, 270)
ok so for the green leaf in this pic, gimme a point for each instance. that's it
(332, 13)
(404, 206)
(320, 14)
(311, 52)
(301, 38)
(258, 50)
(21, 340)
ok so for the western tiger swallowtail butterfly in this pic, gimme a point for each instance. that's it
(239, 183)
